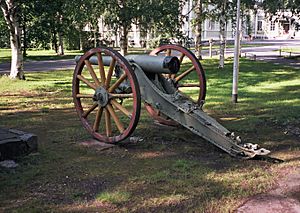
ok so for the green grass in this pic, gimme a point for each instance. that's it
(113, 197)
(39, 55)
(217, 47)
(171, 170)
(291, 49)
(294, 52)
(267, 91)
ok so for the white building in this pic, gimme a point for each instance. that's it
(283, 25)
(262, 26)
(210, 28)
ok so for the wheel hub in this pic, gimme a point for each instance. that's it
(101, 96)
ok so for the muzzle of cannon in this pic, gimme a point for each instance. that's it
(108, 89)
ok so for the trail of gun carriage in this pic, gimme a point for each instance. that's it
(128, 125)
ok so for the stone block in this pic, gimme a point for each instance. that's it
(15, 143)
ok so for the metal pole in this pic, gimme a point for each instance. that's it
(210, 47)
(236, 56)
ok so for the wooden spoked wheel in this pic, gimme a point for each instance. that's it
(108, 106)
(189, 81)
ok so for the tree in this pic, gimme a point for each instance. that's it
(120, 15)
(223, 21)
(225, 9)
(273, 6)
(279, 7)
(198, 27)
(220, 13)
(159, 15)
(50, 21)
(11, 12)
(80, 13)
(4, 34)
(162, 19)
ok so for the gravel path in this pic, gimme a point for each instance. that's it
(285, 198)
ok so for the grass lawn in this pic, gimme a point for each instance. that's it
(171, 169)
(39, 55)
(294, 52)
(291, 49)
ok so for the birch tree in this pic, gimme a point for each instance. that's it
(11, 10)
(161, 14)
(198, 28)
(223, 22)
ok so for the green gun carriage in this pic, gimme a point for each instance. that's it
(108, 89)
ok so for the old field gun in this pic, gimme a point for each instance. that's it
(109, 106)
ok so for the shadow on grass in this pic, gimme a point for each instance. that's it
(185, 173)
(171, 170)
(46, 57)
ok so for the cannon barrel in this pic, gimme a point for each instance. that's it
(148, 63)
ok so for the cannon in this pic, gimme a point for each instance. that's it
(108, 90)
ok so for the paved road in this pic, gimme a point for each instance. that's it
(267, 53)
(270, 52)
(40, 66)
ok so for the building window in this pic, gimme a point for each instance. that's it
(259, 26)
(211, 25)
(272, 26)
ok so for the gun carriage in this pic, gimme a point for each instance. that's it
(109, 103)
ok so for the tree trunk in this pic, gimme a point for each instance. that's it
(124, 40)
(61, 44)
(24, 38)
(54, 42)
(148, 37)
(10, 11)
(81, 37)
(222, 34)
(198, 28)
(16, 70)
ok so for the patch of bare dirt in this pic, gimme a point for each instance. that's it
(284, 198)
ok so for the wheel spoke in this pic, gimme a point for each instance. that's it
(117, 83)
(181, 57)
(112, 95)
(93, 86)
(101, 68)
(98, 119)
(107, 123)
(84, 96)
(189, 85)
(185, 73)
(115, 118)
(91, 109)
(121, 108)
(92, 72)
(110, 72)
